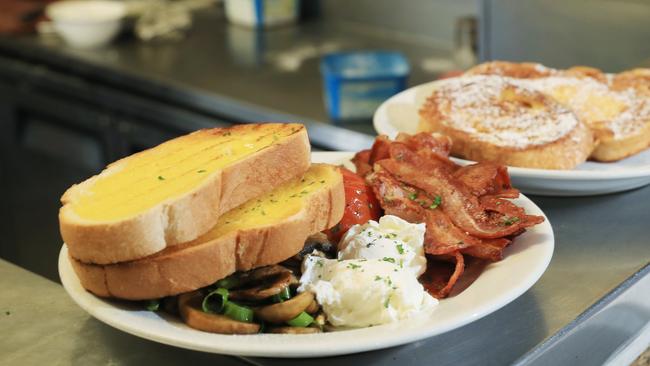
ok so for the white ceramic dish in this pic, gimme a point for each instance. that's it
(499, 284)
(87, 23)
(400, 114)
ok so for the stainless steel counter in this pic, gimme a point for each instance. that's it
(231, 72)
(602, 246)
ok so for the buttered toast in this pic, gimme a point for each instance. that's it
(263, 231)
(492, 119)
(175, 192)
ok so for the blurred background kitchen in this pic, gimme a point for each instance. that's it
(83, 83)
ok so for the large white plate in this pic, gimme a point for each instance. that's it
(499, 284)
(400, 114)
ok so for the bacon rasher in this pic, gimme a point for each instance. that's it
(465, 209)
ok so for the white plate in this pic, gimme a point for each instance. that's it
(400, 114)
(499, 284)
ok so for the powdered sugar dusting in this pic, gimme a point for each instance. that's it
(619, 112)
(496, 110)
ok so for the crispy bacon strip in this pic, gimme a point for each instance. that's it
(491, 249)
(440, 276)
(393, 198)
(427, 143)
(361, 161)
(443, 237)
(379, 149)
(463, 209)
(484, 178)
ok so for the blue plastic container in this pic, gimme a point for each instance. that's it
(356, 83)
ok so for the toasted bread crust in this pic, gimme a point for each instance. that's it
(190, 266)
(186, 217)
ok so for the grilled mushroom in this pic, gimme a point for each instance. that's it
(285, 311)
(189, 305)
(259, 283)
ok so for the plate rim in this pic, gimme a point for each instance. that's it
(102, 310)
(619, 174)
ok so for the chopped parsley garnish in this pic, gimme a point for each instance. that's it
(353, 266)
(378, 278)
(436, 202)
(227, 133)
(389, 259)
(160, 177)
(387, 302)
(201, 171)
(319, 262)
(322, 181)
(510, 220)
(413, 196)
(400, 248)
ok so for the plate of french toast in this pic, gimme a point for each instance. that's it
(241, 241)
(568, 132)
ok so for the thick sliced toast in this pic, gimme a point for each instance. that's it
(175, 192)
(490, 118)
(263, 231)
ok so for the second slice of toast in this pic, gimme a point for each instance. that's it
(263, 231)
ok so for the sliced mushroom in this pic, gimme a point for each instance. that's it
(285, 311)
(189, 305)
(293, 330)
(170, 304)
(265, 288)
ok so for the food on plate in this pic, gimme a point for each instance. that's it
(175, 192)
(466, 209)
(491, 118)
(615, 108)
(378, 265)
(263, 231)
(637, 79)
(322, 249)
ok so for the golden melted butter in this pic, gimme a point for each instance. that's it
(171, 169)
(283, 202)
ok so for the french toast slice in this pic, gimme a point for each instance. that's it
(176, 191)
(491, 118)
(262, 231)
(615, 117)
(519, 70)
(618, 114)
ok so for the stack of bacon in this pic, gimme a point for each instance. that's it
(465, 208)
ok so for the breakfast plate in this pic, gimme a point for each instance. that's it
(400, 114)
(500, 283)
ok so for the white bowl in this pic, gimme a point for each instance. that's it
(87, 23)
